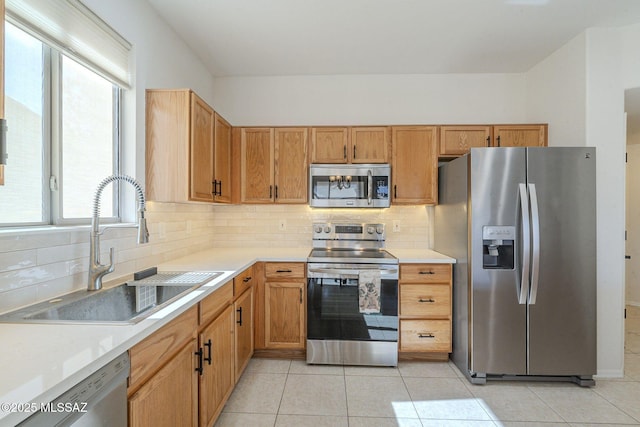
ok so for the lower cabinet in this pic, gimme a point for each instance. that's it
(243, 308)
(216, 365)
(425, 309)
(280, 308)
(163, 382)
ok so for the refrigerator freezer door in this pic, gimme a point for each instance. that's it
(562, 316)
(498, 324)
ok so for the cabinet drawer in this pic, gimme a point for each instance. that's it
(243, 281)
(425, 300)
(215, 303)
(154, 351)
(425, 335)
(280, 270)
(425, 273)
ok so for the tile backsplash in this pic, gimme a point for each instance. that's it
(36, 265)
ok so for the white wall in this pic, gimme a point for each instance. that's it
(556, 93)
(371, 99)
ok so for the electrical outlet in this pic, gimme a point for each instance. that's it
(396, 226)
(282, 225)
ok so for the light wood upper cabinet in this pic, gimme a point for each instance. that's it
(257, 165)
(291, 165)
(222, 159)
(369, 144)
(201, 150)
(414, 165)
(188, 147)
(273, 165)
(330, 145)
(457, 140)
(520, 136)
(358, 144)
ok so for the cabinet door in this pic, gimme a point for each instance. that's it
(243, 331)
(329, 145)
(170, 397)
(414, 167)
(291, 165)
(217, 379)
(284, 314)
(457, 140)
(201, 151)
(222, 158)
(520, 136)
(369, 145)
(257, 166)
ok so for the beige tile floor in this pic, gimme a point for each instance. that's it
(415, 394)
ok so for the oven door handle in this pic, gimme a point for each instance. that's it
(350, 271)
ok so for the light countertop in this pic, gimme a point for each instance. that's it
(41, 361)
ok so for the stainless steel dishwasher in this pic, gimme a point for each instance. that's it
(100, 400)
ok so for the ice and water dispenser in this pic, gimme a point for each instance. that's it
(498, 247)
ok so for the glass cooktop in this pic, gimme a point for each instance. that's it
(351, 255)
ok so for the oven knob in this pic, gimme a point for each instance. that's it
(327, 229)
(379, 229)
(370, 230)
(317, 229)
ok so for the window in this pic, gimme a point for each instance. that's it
(63, 139)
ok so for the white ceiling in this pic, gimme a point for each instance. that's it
(311, 37)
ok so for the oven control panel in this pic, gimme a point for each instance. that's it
(348, 231)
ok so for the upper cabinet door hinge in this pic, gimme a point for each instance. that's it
(53, 183)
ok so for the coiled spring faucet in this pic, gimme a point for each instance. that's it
(96, 270)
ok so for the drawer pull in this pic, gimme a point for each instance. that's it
(246, 279)
(426, 335)
(430, 300)
(208, 345)
(283, 271)
(427, 272)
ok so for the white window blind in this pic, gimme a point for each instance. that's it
(74, 29)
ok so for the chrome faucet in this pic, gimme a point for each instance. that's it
(97, 270)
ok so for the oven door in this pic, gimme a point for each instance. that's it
(337, 332)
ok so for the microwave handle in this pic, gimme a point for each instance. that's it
(369, 186)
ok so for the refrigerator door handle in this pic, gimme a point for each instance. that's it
(535, 243)
(523, 289)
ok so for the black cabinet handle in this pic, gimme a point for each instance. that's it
(488, 140)
(276, 191)
(270, 191)
(199, 367)
(219, 188)
(426, 300)
(208, 345)
(354, 151)
(426, 272)
(283, 271)
(498, 139)
(426, 335)
(395, 191)
(239, 321)
(344, 152)
(246, 279)
(300, 295)
(214, 187)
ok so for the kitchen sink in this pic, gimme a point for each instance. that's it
(115, 305)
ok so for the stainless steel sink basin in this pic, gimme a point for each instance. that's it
(110, 305)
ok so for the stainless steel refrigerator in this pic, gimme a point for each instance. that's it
(521, 223)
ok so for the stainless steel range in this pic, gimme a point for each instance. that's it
(352, 296)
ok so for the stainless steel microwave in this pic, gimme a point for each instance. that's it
(349, 186)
